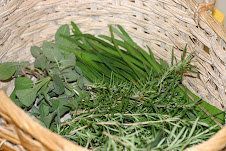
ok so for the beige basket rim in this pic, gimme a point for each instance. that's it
(160, 24)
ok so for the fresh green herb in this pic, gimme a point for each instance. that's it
(126, 117)
(56, 79)
(118, 96)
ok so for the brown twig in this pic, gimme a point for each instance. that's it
(116, 114)
(72, 132)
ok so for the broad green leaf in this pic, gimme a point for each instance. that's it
(43, 109)
(76, 42)
(13, 95)
(62, 42)
(63, 30)
(44, 92)
(57, 108)
(50, 86)
(71, 75)
(60, 103)
(23, 83)
(78, 70)
(36, 51)
(34, 111)
(58, 84)
(81, 83)
(7, 70)
(24, 64)
(51, 51)
(48, 119)
(40, 62)
(68, 61)
(69, 93)
(27, 96)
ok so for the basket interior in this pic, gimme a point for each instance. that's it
(159, 24)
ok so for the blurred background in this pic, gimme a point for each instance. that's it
(220, 5)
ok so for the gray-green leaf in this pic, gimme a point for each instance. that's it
(58, 84)
(40, 62)
(23, 83)
(81, 83)
(47, 120)
(7, 70)
(62, 42)
(71, 75)
(68, 61)
(63, 30)
(51, 51)
(60, 104)
(34, 111)
(27, 96)
(44, 110)
(35, 51)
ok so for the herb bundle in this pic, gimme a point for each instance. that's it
(117, 95)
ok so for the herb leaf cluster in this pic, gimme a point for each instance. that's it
(46, 88)
(119, 96)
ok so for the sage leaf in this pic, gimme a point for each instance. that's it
(71, 75)
(23, 83)
(34, 111)
(26, 96)
(35, 51)
(51, 51)
(7, 70)
(13, 95)
(44, 92)
(40, 62)
(62, 42)
(68, 61)
(78, 70)
(81, 83)
(63, 30)
(58, 84)
(69, 93)
(47, 119)
(43, 109)
(60, 104)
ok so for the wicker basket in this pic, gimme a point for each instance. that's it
(160, 24)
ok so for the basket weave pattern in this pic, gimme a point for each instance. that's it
(19, 132)
(160, 24)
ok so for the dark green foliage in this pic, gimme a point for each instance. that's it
(119, 96)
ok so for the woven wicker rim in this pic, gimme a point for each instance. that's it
(160, 24)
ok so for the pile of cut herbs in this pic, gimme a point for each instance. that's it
(110, 94)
